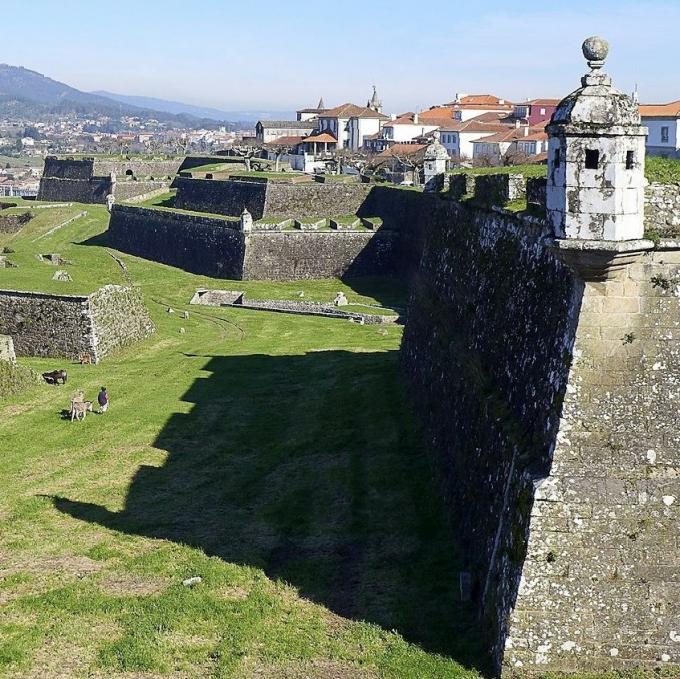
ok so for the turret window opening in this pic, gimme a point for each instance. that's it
(558, 158)
(630, 160)
(592, 159)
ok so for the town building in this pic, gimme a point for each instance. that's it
(662, 121)
(457, 137)
(404, 128)
(267, 131)
(350, 124)
(466, 106)
(311, 113)
(536, 111)
(505, 145)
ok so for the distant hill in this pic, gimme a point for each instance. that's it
(31, 94)
(177, 107)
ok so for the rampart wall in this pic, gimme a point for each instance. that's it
(662, 209)
(222, 197)
(293, 255)
(216, 247)
(551, 404)
(205, 245)
(49, 325)
(270, 199)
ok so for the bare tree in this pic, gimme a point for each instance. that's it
(414, 162)
(247, 153)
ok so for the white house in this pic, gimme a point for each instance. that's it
(662, 121)
(350, 124)
(457, 137)
(521, 138)
(405, 128)
(466, 106)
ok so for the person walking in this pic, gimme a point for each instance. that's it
(103, 400)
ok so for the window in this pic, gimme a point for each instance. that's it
(630, 160)
(557, 158)
(664, 135)
(542, 111)
(592, 159)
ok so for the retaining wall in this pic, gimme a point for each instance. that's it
(66, 326)
(562, 477)
(205, 245)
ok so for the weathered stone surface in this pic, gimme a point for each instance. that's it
(69, 325)
(7, 349)
(564, 479)
(662, 209)
(14, 223)
(90, 180)
(216, 247)
(206, 245)
(487, 360)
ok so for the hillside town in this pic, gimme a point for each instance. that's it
(476, 130)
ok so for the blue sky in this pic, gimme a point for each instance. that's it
(284, 55)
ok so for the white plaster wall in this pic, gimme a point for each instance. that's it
(654, 138)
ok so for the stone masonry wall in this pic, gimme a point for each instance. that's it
(7, 349)
(552, 405)
(222, 197)
(600, 587)
(662, 209)
(64, 326)
(14, 223)
(292, 255)
(119, 318)
(126, 190)
(92, 190)
(270, 199)
(46, 325)
(315, 199)
(490, 329)
(204, 245)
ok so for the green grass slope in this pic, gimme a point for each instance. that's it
(270, 455)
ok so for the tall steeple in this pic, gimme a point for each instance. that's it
(321, 106)
(374, 102)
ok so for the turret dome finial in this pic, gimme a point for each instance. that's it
(595, 50)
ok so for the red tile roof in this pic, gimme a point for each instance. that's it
(323, 138)
(670, 110)
(352, 111)
(543, 102)
(514, 134)
(481, 101)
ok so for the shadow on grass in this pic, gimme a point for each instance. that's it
(310, 468)
(101, 239)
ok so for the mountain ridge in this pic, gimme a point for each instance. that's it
(178, 107)
(25, 92)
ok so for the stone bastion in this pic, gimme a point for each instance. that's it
(66, 326)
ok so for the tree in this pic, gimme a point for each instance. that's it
(414, 162)
(247, 153)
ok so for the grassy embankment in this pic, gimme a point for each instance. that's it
(270, 455)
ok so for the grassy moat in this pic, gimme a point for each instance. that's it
(272, 456)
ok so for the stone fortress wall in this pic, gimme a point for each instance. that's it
(88, 180)
(547, 372)
(208, 245)
(66, 326)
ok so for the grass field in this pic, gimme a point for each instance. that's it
(272, 456)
